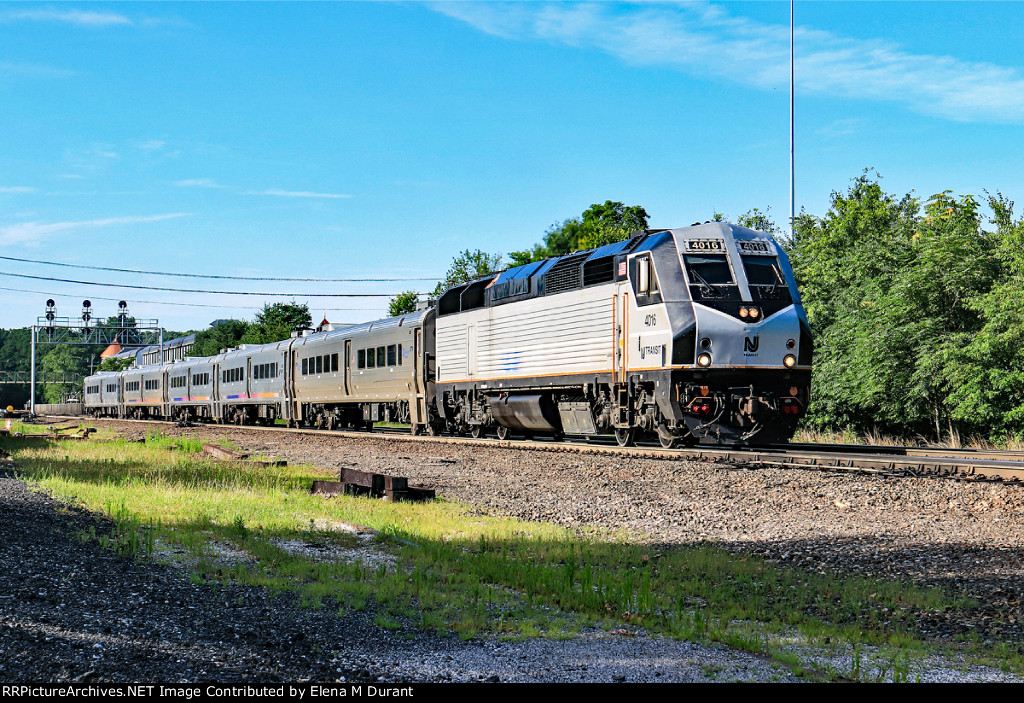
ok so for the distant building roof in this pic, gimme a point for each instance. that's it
(110, 351)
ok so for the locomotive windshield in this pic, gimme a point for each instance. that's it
(710, 276)
(764, 275)
(710, 269)
(763, 271)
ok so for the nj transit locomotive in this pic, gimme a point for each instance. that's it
(693, 335)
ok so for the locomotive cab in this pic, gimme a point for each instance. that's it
(752, 344)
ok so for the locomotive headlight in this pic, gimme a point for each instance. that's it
(790, 343)
(744, 312)
(789, 361)
(754, 312)
(705, 343)
(704, 360)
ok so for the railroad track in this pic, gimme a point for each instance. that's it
(964, 464)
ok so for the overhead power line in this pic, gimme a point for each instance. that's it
(184, 305)
(197, 290)
(204, 275)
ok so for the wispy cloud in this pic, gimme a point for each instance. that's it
(151, 145)
(34, 232)
(296, 193)
(33, 70)
(16, 189)
(199, 183)
(841, 128)
(82, 18)
(707, 41)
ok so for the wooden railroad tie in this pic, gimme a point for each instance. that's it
(363, 483)
(225, 454)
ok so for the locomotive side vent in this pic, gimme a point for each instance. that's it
(600, 270)
(567, 274)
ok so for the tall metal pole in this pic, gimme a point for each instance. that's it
(792, 131)
(32, 383)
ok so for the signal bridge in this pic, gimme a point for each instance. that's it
(128, 332)
(9, 377)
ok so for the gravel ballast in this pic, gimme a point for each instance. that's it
(71, 611)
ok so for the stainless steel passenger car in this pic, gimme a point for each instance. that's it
(251, 383)
(191, 384)
(375, 372)
(102, 394)
(143, 392)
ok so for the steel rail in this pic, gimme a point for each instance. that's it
(864, 459)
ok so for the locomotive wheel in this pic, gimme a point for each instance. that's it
(476, 431)
(332, 422)
(665, 437)
(503, 432)
(434, 429)
(624, 436)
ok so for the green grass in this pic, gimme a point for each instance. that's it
(444, 567)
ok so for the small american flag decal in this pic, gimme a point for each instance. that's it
(622, 268)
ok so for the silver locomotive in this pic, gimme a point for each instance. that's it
(694, 334)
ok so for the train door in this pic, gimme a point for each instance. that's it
(620, 336)
(215, 404)
(348, 367)
(620, 369)
(417, 408)
(294, 414)
(165, 391)
(417, 353)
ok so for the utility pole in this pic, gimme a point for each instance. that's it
(792, 130)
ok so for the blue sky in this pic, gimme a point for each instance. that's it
(377, 140)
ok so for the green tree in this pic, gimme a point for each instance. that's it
(600, 224)
(62, 362)
(15, 351)
(403, 303)
(227, 334)
(112, 364)
(984, 368)
(467, 266)
(760, 221)
(892, 294)
(275, 322)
